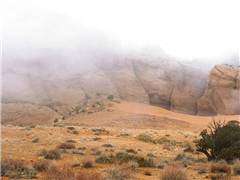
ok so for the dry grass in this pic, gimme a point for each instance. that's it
(236, 166)
(220, 167)
(16, 168)
(173, 173)
(220, 177)
(8, 164)
(84, 175)
(66, 146)
(87, 163)
(55, 173)
(42, 152)
(167, 146)
(41, 165)
(52, 154)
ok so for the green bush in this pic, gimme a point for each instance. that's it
(222, 142)
(110, 97)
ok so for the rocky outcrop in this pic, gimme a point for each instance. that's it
(222, 95)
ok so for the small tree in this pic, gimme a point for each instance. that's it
(222, 142)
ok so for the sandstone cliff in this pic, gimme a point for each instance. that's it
(52, 90)
(222, 95)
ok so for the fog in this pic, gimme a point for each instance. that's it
(84, 31)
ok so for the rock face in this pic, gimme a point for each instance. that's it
(173, 86)
(52, 89)
(222, 95)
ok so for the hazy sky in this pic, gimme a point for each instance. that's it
(186, 28)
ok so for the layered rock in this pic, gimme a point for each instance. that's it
(222, 95)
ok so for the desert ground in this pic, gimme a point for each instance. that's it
(113, 129)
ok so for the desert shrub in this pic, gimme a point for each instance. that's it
(96, 139)
(160, 165)
(122, 157)
(174, 173)
(97, 152)
(180, 156)
(81, 148)
(133, 164)
(220, 167)
(188, 149)
(75, 164)
(75, 132)
(52, 154)
(56, 120)
(200, 159)
(147, 173)
(87, 96)
(123, 135)
(145, 137)
(165, 161)
(201, 170)
(64, 173)
(16, 168)
(222, 142)
(71, 128)
(167, 146)
(36, 140)
(62, 151)
(150, 155)
(30, 173)
(8, 165)
(71, 141)
(98, 94)
(236, 166)
(42, 152)
(41, 165)
(66, 146)
(107, 145)
(84, 175)
(119, 173)
(110, 97)
(220, 177)
(77, 152)
(102, 159)
(131, 151)
(87, 163)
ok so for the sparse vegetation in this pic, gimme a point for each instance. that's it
(16, 168)
(220, 167)
(41, 165)
(36, 140)
(87, 163)
(110, 97)
(173, 173)
(66, 146)
(119, 173)
(107, 145)
(71, 128)
(236, 166)
(75, 132)
(122, 157)
(71, 141)
(64, 173)
(52, 154)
